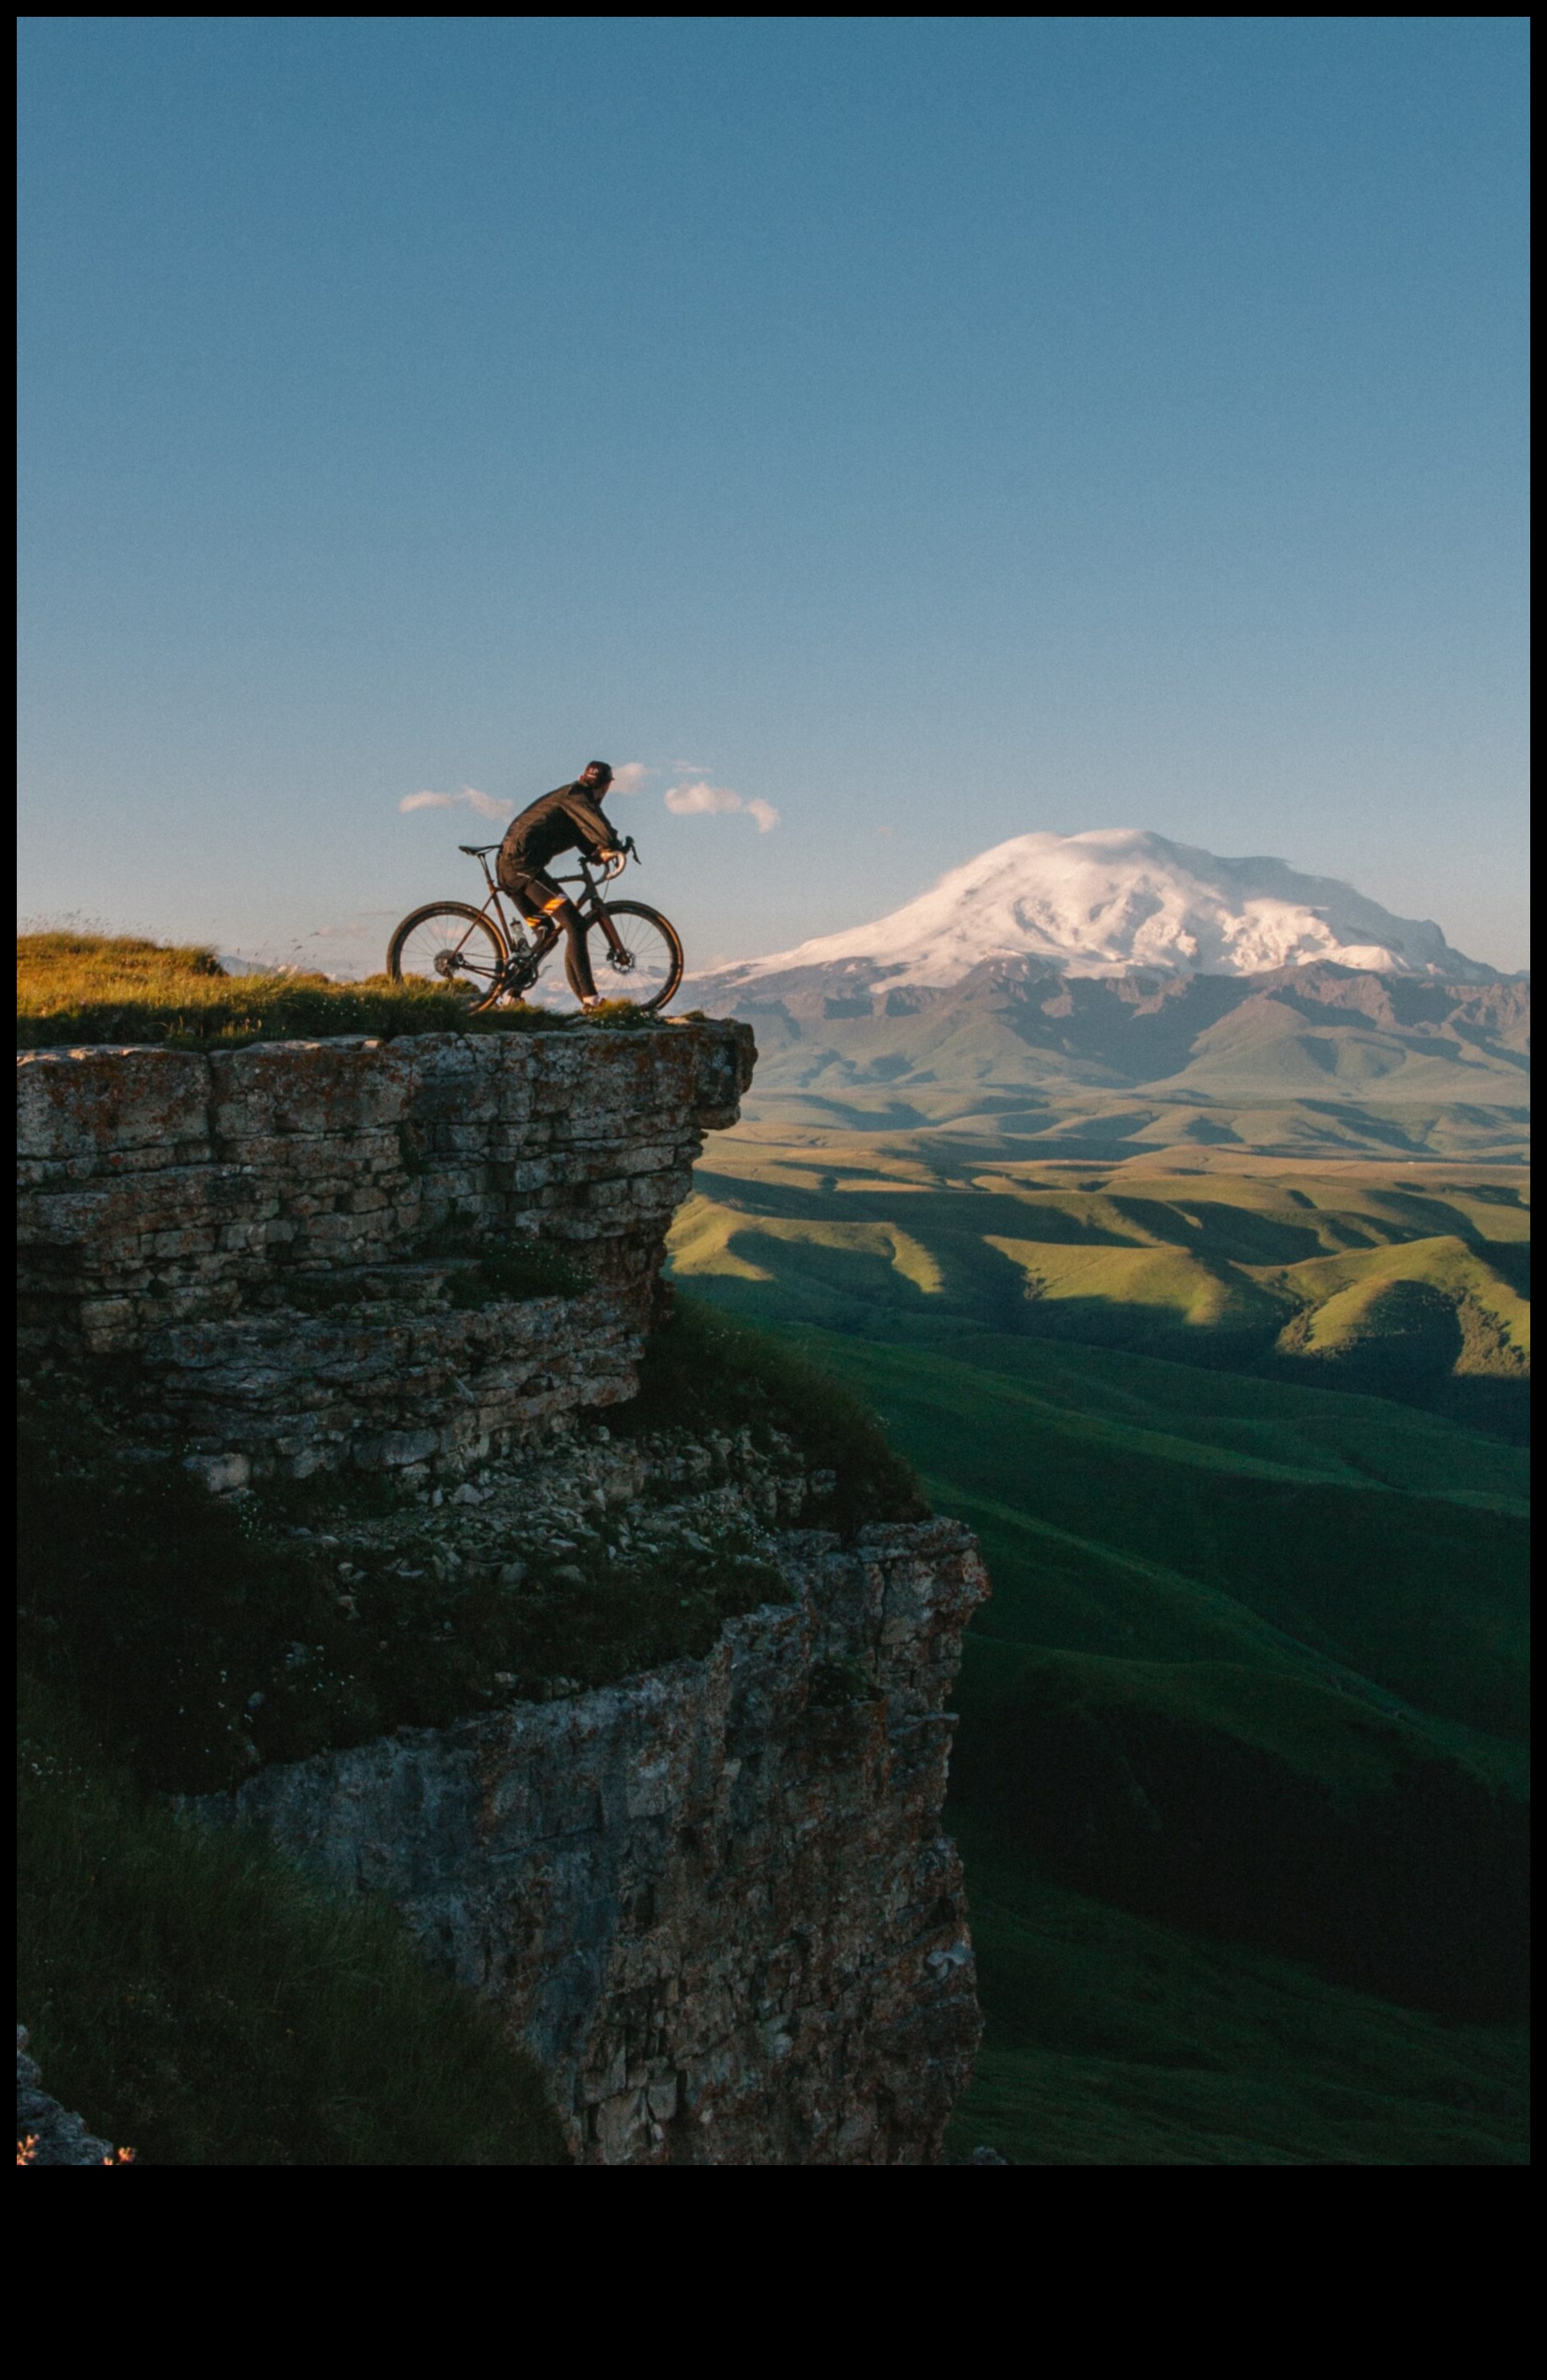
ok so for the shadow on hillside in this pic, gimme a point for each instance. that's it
(976, 1211)
(1416, 1355)
(1413, 1885)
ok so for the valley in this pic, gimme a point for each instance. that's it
(1408, 1282)
(1242, 1770)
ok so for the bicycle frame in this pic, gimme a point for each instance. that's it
(589, 904)
(434, 940)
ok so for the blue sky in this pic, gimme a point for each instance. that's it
(929, 429)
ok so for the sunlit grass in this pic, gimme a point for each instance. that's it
(1407, 1284)
(77, 991)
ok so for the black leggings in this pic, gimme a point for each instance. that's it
(547, 906)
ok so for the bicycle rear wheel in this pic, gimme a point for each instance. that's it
(646, 970)
(450, 942)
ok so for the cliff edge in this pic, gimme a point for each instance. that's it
(311, 1253)
(404, 1282)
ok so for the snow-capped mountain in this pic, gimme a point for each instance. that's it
(1116, 902)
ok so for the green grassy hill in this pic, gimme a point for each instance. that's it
(1116, 2040)
(207, 2005)
(1407, 1282)
(1251, 1686)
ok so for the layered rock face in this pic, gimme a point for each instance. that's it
(714, 1898)
(284, 1239)
(714, 1901)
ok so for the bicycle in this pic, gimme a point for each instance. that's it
(485, 955)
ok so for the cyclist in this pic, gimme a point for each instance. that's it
(570, 818)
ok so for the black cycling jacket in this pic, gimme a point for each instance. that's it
(566, 820)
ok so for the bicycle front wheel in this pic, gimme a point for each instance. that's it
(451, 943)
(640, 961)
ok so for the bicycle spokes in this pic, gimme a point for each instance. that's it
(453, 950)
(635, 954)
(643, 957)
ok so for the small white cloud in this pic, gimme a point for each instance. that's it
(701, 800)
(631, 778)
(484, 804)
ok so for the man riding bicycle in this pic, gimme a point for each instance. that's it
(487, 957)
(570, 818)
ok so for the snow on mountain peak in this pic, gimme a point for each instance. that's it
(1119, 899)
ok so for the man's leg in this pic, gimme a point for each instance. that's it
(529, 894)
(547, 906)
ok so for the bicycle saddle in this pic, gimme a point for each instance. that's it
(477, 850)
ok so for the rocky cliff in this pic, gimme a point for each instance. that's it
(285, 1241)
(47, 2134)
(712, 1896)
(714, 1899)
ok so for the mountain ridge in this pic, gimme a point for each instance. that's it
(1114, 901)
(1020, 1023)
(955, 1012)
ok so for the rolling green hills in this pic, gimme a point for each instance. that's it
(1405, 1281)
(1250, 1688)
(1116, 2040)
(1239, 1437)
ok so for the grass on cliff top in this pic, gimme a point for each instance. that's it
(200, 2003)
(76, 990)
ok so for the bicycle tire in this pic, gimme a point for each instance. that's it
(662, 989)
(485, 977)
